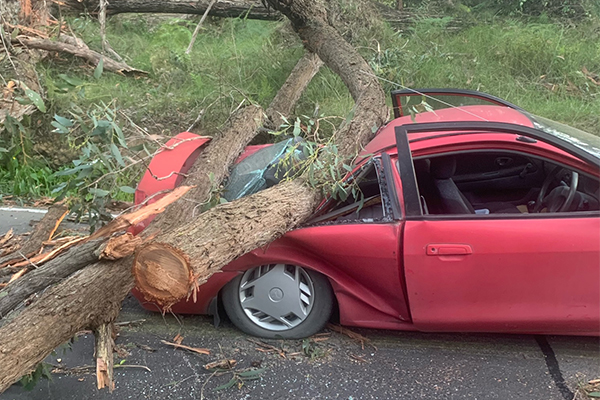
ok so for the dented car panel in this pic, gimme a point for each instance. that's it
(398, 259)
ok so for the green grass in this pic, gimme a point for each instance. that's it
(537, 64)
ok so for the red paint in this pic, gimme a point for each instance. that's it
(521, 274)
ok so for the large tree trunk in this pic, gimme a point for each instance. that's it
(86, 300)
(91, 297)
(223, 8)
(189, 254)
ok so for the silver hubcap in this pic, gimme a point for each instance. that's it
(276, 297)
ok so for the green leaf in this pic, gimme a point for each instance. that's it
(71, 80)
(252, 374)
(127, 189)
(120, 135)
(98, 192)
(99, 68)
(59, 128)
(227, 385)
(117, 154)
(71, 171)
(595, 395)
(222, 200)
(3, 150)
(63, 121)
(36, 99)
(347, 167)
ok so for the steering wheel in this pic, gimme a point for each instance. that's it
(560, 198)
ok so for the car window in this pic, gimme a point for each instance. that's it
(365, 202)
(501, 182)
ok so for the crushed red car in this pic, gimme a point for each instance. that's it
(474, 216)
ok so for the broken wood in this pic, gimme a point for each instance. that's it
(85, 300)
(96, 246)
(42, 232)
(104, 356)
(52, 272)
(93, 57)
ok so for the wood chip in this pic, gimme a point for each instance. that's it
(221, 364)
(267, 348)
(7, 237)
(178, 339)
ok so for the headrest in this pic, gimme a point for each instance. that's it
(443, 167)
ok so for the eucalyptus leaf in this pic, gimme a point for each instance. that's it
(59, 127)
(127, 189)
(98, 192)
(36, 99)
(117, 154)
(253, 373)
(63, 121)
(227, 385)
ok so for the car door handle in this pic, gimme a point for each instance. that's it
(451, 249)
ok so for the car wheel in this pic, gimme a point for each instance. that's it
(279, 301)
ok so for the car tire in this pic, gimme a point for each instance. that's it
(277, 289)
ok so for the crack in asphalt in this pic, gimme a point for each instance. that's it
(553, 367)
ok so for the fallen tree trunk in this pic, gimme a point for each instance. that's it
(223, 8)
(290, 92)
(83, 51)
(189, 254)
(52, 272)
(86, 300)
(247, 9)
(92, 296)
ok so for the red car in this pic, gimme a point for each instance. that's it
(477, 217)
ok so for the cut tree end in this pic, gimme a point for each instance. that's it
(162, 274)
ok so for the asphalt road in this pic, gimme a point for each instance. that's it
(391, 365)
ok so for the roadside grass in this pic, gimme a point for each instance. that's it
(548, 67)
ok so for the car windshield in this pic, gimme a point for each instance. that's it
(585, 141)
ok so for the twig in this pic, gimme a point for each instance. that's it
(204, 385)
(181, 346)
(132, 366)
(189, 49)
(137, 321)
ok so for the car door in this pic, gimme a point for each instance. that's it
(536, 273)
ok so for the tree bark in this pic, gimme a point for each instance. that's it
(211, 167)
(87, 299)
(50, 273)
(224, 8)
(289, 94)
(93, 57)
(104, 356)
(206, 244)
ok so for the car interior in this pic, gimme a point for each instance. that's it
(495, 182)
